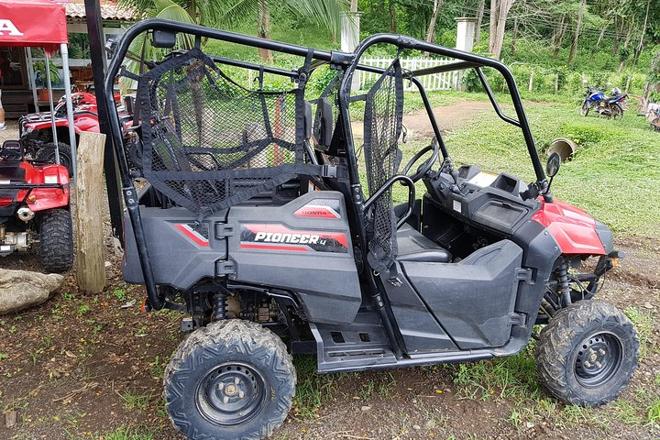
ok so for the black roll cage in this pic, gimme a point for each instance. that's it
(348, 62)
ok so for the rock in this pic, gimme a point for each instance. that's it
(417, 427)
(20, 289)
(648, 305)
(10, 419)
(116, 246)
(365, 408)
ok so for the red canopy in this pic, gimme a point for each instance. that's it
(36, 23)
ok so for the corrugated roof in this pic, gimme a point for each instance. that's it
(109, 11)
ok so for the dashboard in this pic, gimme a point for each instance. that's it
(492, 201)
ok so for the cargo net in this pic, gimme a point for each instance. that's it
(209, 142)
(383, 116)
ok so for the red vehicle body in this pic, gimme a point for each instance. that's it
(35, 129)
(34, 208)
(574, 230)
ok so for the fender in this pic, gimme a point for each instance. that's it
(41, 199)
(574, 230)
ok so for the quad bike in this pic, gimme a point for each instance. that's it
(34, 209)
(36, 134)
(276, 234)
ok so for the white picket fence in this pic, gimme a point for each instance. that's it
(436, 81)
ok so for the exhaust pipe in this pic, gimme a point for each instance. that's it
(25, 214)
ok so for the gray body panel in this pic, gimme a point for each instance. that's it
(176, 260)
(326, 282)
(322, 274)
(473, 299)
(421, 331)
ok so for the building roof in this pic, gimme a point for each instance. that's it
(109, 11)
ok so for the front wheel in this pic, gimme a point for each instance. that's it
(587, 354)
(231, 379)
(585, 108)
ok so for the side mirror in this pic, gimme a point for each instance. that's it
(163, 39)
(552, 166)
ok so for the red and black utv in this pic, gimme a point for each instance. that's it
(265, 222)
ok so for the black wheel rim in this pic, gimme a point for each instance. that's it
(598, 359)
(230, 394)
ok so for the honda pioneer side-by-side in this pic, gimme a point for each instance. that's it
(275, 231)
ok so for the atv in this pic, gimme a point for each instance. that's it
(34, 209)
(262, 220)
(36, 133)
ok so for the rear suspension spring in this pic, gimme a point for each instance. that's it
(219, 304)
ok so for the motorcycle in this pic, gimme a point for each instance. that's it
(610, 107)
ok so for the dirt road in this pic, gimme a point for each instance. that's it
(449, 118)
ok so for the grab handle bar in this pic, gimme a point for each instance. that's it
(405, 180)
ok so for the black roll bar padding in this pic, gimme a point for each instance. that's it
(493, 101)
(405, 180)
(429, 111)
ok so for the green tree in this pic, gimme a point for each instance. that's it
(229, 13)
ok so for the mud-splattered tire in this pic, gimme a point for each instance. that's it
(55, 249)
(46, 154)
(232, 379)
(587, 354)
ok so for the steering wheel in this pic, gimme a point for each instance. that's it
(426, 166)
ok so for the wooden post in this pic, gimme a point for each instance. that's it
(90, 264)
(531, 81)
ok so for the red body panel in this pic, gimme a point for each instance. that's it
(41, 199)
(85, 114)
(573, 229)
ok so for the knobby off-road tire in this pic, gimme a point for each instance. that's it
(55, 249)
(232, 379)
(47, 154)
(587, 354)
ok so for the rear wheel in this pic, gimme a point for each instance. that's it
(617, 111)
(56, 241)
(230, 379)
(587, 354)
(47, 154)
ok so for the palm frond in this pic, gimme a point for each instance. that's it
(325, 13)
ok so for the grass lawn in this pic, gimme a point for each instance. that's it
(614, 174)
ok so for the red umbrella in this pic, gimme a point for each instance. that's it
(41, 23)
